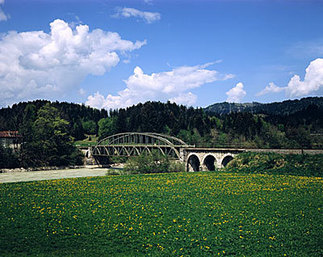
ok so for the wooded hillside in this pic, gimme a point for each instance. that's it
(278, 108)
(290, 124)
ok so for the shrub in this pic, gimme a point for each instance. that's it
(8, 158)
(177, 166)
(154, 163)
(118, 159)
(296, 164)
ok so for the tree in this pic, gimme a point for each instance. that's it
(50, 143)
(89, 127)
(77, 130)
(8, 158)
(301, 136)
(107, 126)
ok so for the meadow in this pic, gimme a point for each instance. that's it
(176, 214)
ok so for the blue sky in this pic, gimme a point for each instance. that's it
(190, 52)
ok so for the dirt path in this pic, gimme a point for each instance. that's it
(51, 174)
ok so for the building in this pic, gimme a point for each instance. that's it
(10, 139)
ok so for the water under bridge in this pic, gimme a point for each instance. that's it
(195, 159)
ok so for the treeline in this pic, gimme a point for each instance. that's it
(81, 119)
(301, 129)
(168, 118)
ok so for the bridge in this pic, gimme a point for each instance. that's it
(195, 159)
(135, 144)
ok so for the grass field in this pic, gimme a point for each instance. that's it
(178, 214)
(90, 140)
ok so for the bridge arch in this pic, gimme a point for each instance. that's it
(145, 138)
(136, 143)
(193, 163)
(226, 159)
(210, 162)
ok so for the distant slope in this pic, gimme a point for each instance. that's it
(225, 107)
(277, 108)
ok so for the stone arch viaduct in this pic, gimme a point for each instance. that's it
(208, 159)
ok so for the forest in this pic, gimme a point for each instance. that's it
(50, 128)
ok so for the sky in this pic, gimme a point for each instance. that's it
(113, 54)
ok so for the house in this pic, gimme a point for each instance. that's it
(10, 139)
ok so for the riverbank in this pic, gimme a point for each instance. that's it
(14, 170)
(22, 175)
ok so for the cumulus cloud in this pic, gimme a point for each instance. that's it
(148, 17)
(312, 83)
(3, 16)
(184, 98)
(37, 64)
(236, 94)
(174, 85)
(271, 88)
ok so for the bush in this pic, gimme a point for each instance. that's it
(76, 157)
(154, 163)
(295, 164)
(118, 159)
(8, 158)
(177, 166)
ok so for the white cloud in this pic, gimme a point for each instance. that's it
(310, 49)
(271, 88)
(82, 91)
(185, 98)
(148, 17)
(312, 83)
(236, 94)
(36, 64)
(3, 16)
(174, 85)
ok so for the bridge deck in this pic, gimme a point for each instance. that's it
(287, 151)
(258, 150)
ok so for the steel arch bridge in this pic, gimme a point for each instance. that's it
(135, 144)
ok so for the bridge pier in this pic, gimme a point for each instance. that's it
(88, 157)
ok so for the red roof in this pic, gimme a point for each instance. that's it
(9, 134)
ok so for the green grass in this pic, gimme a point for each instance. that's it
(87, 141)
(189, 214)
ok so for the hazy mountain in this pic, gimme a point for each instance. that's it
(277, 108)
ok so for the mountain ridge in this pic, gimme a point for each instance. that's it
(286, 107)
